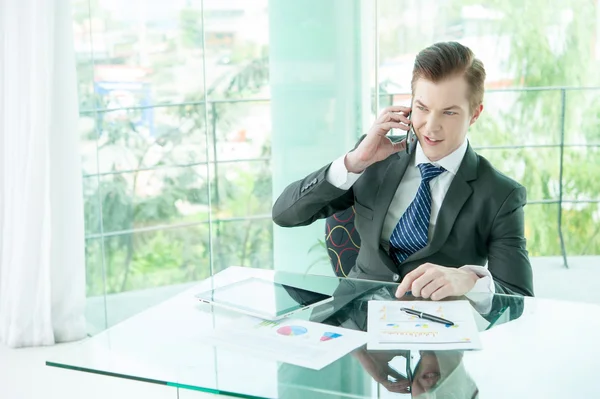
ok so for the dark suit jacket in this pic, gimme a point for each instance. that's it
(481, 219)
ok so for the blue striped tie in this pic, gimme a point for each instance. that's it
(410, 234)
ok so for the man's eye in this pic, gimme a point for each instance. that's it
(450, 113)
(421, 107)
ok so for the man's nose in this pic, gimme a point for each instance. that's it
(433, 123)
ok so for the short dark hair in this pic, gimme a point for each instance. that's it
(448, 59)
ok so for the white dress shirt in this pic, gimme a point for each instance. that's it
(339, 176)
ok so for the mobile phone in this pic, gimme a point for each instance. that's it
(411, 136)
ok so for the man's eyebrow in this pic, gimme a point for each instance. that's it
(419, 102)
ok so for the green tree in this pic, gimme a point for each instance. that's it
(190, 23)
(551, 44)
(175, 255)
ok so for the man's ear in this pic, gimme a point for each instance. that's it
(476, 114)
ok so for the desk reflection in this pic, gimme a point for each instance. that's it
(417, 374)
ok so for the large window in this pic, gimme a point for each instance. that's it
(175, 131)
(181, 103)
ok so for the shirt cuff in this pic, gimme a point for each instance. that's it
(338, 176)
(484, 285)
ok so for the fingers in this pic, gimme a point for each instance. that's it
(409, 278)
(435, 284)
(393, 373)
(387, 126)
(443, 292)
(454, 283)
(400, 146)
(426, 278)
(396, 108)
(394, 117)
(404, 286)
(399, 387)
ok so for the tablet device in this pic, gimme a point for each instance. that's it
(263, 298)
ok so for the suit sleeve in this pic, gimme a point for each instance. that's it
(508, 260)
(309, 199)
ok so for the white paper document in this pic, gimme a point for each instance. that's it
(293, 341)
(391, 328)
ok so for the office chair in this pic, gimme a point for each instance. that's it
(342, 241)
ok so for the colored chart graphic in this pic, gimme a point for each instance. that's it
(327, 336)
(382, 311)
(292, 330)
(267, 323)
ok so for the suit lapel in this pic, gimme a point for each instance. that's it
(458, 193)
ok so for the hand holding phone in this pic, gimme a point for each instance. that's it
(376, 146)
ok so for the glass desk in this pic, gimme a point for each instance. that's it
(531, 348)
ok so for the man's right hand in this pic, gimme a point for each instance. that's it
(376, 146)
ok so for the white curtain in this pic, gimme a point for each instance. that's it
(42, 269)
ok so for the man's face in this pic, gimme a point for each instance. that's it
(441, 115)
(427, 375)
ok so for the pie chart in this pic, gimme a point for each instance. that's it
(292, 330)
(329, 336)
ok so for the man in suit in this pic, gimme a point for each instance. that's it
(440, 220)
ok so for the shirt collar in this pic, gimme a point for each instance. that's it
(450, 162)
